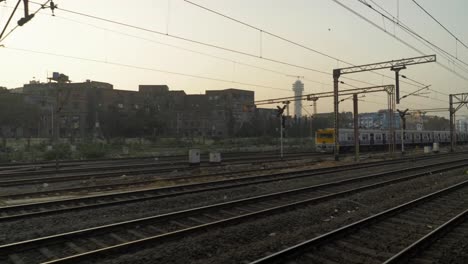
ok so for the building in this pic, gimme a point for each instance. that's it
(87, 109)
(378, 120)
(298, 88)
(462, 125)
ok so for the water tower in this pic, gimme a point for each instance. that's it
(298, 88)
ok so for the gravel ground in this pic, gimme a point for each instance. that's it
(304, 163)
(48, 225)
(129, 178)
(246, 242)
(450, 249)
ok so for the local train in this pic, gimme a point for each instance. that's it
(375, 138)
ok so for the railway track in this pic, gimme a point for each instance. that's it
(125, 163)
(439, 244)
(21, 182)
(50, 176)
(86, 162)
(380, 237)
(101, 200)
(115, 238)
(162, 180)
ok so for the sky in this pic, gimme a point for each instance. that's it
(163, 49)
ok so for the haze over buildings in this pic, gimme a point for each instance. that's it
(88, 48)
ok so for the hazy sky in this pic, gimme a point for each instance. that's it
(322, 25)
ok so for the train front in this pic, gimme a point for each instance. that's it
(324, 140)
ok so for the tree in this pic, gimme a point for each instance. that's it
(16, 113)
(436, 123)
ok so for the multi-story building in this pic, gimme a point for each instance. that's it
(70, 110)
(378, 120)
(462, 125)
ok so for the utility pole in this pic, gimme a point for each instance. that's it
(397, 70)
(281, 135)
(459, 100)
(356, 127)
(403, 128)
(369, 67)
(314, 104)
(280, 115)
(336, 150)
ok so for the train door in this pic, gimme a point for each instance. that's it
(371, 139)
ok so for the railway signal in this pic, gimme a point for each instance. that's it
(282, 124)
(396, 65)
(403, 128)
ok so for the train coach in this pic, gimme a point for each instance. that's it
(375, 138)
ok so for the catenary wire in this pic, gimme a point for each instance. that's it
(415, 34)
(263, 31)
(142, 68)
(195, 41)
(15, 27)
(429, 14)
(210, 45)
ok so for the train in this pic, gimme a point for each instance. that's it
(376, 138)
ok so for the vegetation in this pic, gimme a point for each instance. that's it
(15, 114)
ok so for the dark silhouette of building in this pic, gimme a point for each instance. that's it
(88, 109)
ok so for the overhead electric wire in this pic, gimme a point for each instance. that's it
(429, 14)
(207, 44)
(268, 33)
(9, 19)
(190, 40)
(423, 40)
(401, 23)
(203, 43)
(408, 30)
(395, 37)
(283, 38)
(143, 68)
(441, 93)
(185, 49)
(15, 27)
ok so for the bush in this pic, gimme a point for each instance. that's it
(92, 151)
(59, 151)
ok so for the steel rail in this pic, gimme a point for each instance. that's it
(102, 200)
(69, 191)
(247, 209)
(421, 244)
(287, 254)
(10, 179)
(24, 181)
(111, 160)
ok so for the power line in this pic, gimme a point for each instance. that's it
(15, 27)
(427, 43)
(191, 40)
(268, 33)
(184, 49)
(409, 31)
(211, 45)
(425, 11)
(144, 68)
(263, 31)
(202, 43)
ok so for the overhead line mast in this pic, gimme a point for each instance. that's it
(395, 64)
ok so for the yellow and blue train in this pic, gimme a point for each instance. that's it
(374, 138)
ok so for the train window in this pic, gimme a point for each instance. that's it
(325, 135)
